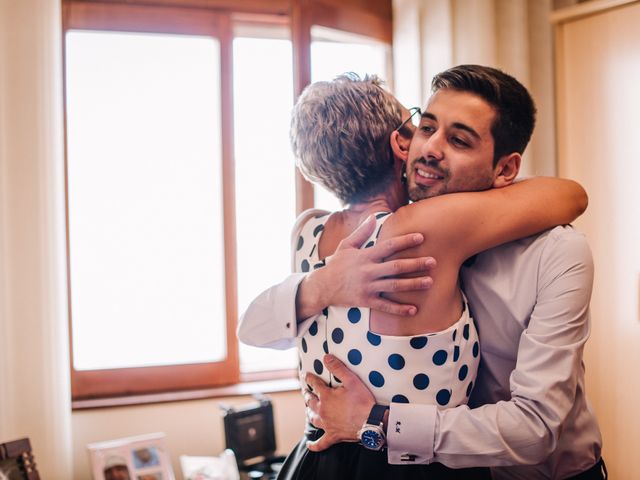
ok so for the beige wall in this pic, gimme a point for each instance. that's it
(599, 100)
(191, 427)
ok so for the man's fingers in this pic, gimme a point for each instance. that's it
(338, 369)
(314, 418)
(388, 247)
(393, 285)
(388, 306)
(359, 235)
(324, 442)
(316, 383)
(401, 266)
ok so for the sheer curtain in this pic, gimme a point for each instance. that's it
(34, 362)
(513, 35)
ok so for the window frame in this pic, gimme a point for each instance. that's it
(216, 18)
(162, 19)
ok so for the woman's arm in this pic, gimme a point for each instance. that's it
(470, 222)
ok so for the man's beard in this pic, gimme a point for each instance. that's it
(472, 182)
(420, 192)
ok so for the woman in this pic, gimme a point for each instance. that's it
(340, 131)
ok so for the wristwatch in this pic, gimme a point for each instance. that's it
(371, 434)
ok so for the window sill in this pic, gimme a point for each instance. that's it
(246, 388)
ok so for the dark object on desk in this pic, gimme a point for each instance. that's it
(16, 461)
(250, 433)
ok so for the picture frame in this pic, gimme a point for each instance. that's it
(142, 457)
(17, 462)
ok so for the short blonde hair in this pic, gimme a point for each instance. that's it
(340, 135)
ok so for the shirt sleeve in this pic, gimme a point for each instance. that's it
(525, 428)
(270, 320)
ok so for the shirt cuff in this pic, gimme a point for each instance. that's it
(411, 433)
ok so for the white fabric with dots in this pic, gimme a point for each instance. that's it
(435, 368)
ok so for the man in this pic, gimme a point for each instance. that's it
(529, 298)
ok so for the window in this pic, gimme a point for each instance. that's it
(181, 185)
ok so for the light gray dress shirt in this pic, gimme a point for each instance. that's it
(531, 420)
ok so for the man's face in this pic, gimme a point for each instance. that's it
(452, 150)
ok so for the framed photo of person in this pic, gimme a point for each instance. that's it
(142, 457)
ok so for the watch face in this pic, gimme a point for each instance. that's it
(371, 439)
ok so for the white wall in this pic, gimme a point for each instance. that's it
(34, 390)
(598, 77)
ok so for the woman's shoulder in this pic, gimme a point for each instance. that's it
(305, 218)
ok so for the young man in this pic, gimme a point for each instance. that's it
(529, 298)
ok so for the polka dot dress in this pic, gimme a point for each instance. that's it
(435, 368)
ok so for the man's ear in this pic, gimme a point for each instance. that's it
(400, 145)
(507, 170)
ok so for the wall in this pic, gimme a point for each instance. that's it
(192, 427)
(34, 386)
(598, 77)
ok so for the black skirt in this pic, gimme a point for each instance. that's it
(351, 461)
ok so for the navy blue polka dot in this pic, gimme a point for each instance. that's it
(469, 388)
(462, 373)
(376, 379)
(440, 357)
(313, 328)
(299, 364)
(325, 312)
(476, 349)
(354, 356)
(337, 379)
(370, 244)
(337, 335)
(400, 399)
(317, 366)
(455, 333)
(396, 361)
(318, 265)
(456, 353)
(304, 345)
(325, 347)
(382, 214)
(418, 342)
(354, 315)
(300, 243)
(317, 230)
(443, 397)
(465, 332)
(373, 339)
(304, 266)
(421, 381)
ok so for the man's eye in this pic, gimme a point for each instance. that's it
(428, 129)
(459, 142)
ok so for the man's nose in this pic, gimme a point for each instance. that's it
(434, 146)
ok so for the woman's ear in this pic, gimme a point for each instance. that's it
(507, 170)
(400, 145)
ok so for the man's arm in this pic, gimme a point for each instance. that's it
(351, 277)
(522, 430)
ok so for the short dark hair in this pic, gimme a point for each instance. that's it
(340, 135)
(515, 109)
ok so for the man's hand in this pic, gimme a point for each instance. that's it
(340, 412)
(357, 277)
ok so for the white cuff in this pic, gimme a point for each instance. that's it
(411, 433)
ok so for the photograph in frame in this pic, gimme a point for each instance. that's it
(143, 457)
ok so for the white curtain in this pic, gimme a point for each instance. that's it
(34, 359)
(513, 35)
